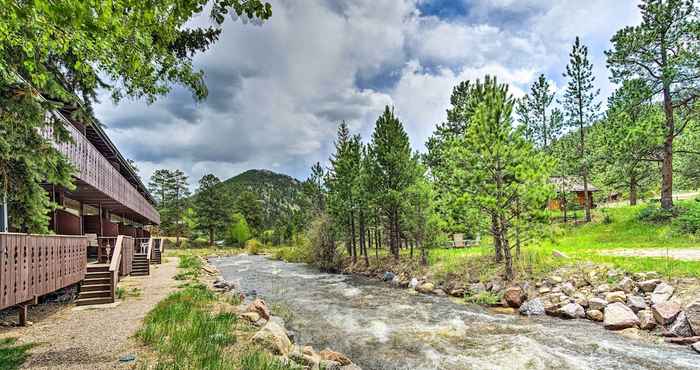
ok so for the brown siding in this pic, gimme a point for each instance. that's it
(67, 223)
(35, 265)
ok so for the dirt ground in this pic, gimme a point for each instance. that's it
(69, 337)
(687, 254)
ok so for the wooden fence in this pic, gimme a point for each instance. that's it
(35, 265)
(127, 256)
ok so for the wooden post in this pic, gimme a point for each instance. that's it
(22, 315)
(4, 220)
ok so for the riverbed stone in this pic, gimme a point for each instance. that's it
(597, 304)
(696, 347)
(666, 312)
(617, 296)
(532, 307)
(555, 279)
(514, 296)
(545, 290)
(476, 288)
(680, 327)
(646, 320)
(388, 276)
(618, 316)
(425, 288)
(572, 311)
(636, 303)
(338, 357)
(457, 292)
(648, 286)
(662, 293)
(602, 288)
(273, 337)
(259, 306)
(350, 367)
(626, 285)
(568, 288)
(595, 315)
(692, 312)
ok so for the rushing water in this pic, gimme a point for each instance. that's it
(381, 327)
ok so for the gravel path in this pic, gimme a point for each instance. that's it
(95, 338)
(686, 254)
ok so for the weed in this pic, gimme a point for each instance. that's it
(12, 355)
(484, 298)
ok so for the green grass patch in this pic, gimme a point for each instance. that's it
(484, 298)
(13, 355)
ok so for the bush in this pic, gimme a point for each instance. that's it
(484, 298)
(253, 246)
(655, 214)
(688, 222)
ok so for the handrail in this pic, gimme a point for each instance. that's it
(150, 249)
(114, 263)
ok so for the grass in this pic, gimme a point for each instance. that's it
(204, 252)
(13, 355)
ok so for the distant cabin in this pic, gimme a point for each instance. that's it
(566, 186)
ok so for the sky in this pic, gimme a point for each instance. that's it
(278, 91)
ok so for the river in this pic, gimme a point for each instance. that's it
(380, 327)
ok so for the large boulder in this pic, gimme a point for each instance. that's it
(680, 327)
(388, 276)
(666, 312)
(648, 286)
(595, 315)
(273, 337)
(662, 293)
(426, 288)
(692, 312)
(338, 357)
(597, 304)
(696, 347)
(514, 296)
(617, 296)
(618, 317)
(532, 307)
(646, 320)
(259, 306)
(636, 303)
(572, 311)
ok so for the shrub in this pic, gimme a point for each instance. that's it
(484, 298)
(688, 221)
(655, 214)
(253, 246)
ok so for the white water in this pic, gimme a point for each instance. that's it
(380, 327)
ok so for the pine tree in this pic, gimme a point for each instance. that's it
(581, 108)
(210, 206)
(171, 189)
(542, 129)
(663, 51)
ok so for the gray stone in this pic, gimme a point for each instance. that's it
(637, 303)
(476, 288)
(597, 304)
(614, 297)
(413, 283)
(545, 290)
(666, 312)
(662, 293)
(533, 307)
(350, 367)
(618, 317)
(555, 279)
(273, 337)
(594, 315)
(388, 276)
(680, 327)
(425, 288)
(696, 347)
(572, 311)
(626, 285)
(603, 288)
(692, 312)
(568, 288)
(648, 286)
(646, 320)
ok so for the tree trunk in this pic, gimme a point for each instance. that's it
(352, 237)
(510, 274)
(211, 236)
(587, 196)
(496, 241)
(584, 166)
(363, 244)
(377, 241)
(423, 253)
(411, 244)
(633, 190)
(667, 163)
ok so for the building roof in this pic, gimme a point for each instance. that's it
(571, 184)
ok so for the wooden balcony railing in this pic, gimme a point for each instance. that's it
(35, 265)
(94, 169)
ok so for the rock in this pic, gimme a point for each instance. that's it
(618, 316)
(350, 367)
(653, 275)
(224, 285)
(338, 357)
(555, 279)
(696, 347)
(646, 320)
(597, 304)
(273, 337)
(692, 312)
(680, 327)
(260, 307)
(603, 288)
(457, 292)
(305, 356)
(439, 292)
(251, 316)
(594, 315)
(388, 276)
(514, 296)
(545, 290)
(631, 333)
(476, 288)
(396, 281)
(614, 297)
(572, 311)
(413, 283)
(558, 254)
(662, 293)
(665, 313)
(682, 340)
(503, 310)
(636, 303)
(626, 285)
(568, 289)
(532, 307)
(495, 285)
(425, 288)
(648, 286)
(328, 365)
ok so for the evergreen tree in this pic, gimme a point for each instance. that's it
(542, 130)
(392, 172)
(238, 232)
(251, 208)
(663, 51)
(581, 108)
(210, 206)
(171, 189)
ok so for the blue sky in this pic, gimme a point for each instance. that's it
(278, 91)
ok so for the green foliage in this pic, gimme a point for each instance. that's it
(170, 188)
(484, 298)
(542, 129)
(652, 213)
(323, 250)
(263, 361)
(688, 221)
(238, 232)
(253, 246)
(13, 355)
(210, 206)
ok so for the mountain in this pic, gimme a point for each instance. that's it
(279, 194)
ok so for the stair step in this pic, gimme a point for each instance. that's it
(98, 275)
(97, 268)
(91, 301)
(95, 294)
(95, 287)
(95, 281)
(139, 273)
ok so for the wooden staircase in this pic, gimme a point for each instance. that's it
(96, 287)
(156, 253)
(140, 265)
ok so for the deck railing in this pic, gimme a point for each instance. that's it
(35, 265)
(94, 169)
